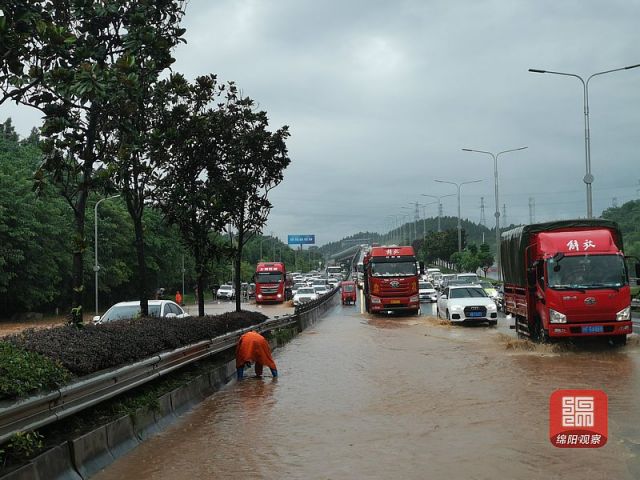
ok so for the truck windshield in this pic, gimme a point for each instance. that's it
(396, 268)
(268, 277)
(587, 271)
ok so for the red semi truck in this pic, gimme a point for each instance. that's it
(567, 279)
(391, 280)
(271, 282)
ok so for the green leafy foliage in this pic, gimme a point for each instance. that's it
(96, 347)
(24, 372)
(628, 218)
(25, 444)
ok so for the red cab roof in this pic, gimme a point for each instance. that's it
(579, 241)
(392, 251)
(270, 267)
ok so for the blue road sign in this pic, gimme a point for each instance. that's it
(301, 240)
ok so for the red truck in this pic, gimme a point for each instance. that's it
(567, 279)
(271, 282)
(391, 280)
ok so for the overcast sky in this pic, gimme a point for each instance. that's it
(381, 96)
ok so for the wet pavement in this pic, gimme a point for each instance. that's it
(392, 397)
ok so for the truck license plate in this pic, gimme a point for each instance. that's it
(593, 329)
(394, 301)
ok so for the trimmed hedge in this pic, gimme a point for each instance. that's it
(23, 372)
(97, 347)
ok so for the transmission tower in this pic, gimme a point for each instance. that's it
(483, 220)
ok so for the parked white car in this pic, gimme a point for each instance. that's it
(467, 303)
(129, 310)
(304, 295)
(227, 292)
(427, 292)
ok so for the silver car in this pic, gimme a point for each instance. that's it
(129, 310)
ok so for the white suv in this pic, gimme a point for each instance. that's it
(467, 303)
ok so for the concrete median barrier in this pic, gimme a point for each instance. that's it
(90, 452)
(55, 464)
(164, 413)
(121, 437)
(144, 423)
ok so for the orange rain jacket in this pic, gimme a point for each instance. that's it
(253, 347)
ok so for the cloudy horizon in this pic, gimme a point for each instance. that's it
(381, 97)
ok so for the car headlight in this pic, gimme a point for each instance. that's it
(492, 307)
(557, 317)
(414, 299)
(376, 300)
(456, 308)
(624, 314)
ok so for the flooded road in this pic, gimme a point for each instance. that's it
(385, 397)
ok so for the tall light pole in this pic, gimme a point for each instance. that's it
(495, 180)
(588, 177)
(439, 199)
(96, 266)
(458, 186)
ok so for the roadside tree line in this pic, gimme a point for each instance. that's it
(116, 119)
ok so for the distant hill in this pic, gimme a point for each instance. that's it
(473, 231)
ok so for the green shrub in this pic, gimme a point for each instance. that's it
(98, 347)
(25, 444)
(23, 372)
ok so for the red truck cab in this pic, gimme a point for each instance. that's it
(270, 279)
(391, 280)
(567, 279)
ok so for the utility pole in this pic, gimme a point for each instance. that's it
(530, 210)
(504, 214)
(483, 220)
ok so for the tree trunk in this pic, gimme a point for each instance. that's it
(200, 293)
(142, 266)
(79, 246)
(237, 264)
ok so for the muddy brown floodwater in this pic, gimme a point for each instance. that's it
(405, 398)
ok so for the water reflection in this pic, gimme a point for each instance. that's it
(392, 397)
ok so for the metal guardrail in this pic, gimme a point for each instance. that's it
(37, 411)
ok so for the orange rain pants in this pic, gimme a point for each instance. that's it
(253, 347)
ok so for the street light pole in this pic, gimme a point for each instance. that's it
(458, 186)
(439, 199)
(497, 212)
(96, 266)
(588, 177)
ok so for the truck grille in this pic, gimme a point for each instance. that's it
(269, 290)
(389, 291)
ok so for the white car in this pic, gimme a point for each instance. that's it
(467, 303)
(334, 282)
(468, 277)
(296, 287)
(426, 292)
(227, 292)
(304, 295)
(321, 289)
(129, 310)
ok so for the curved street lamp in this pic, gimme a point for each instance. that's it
(497, 212)
(588, 177)
(458, 185)
(96, 266)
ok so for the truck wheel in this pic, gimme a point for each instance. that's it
(541, 334)
(618, 340)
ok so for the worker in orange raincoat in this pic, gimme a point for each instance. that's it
(253, 347)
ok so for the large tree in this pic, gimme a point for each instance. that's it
(254, 161)
(72, 60)
(186, 147)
